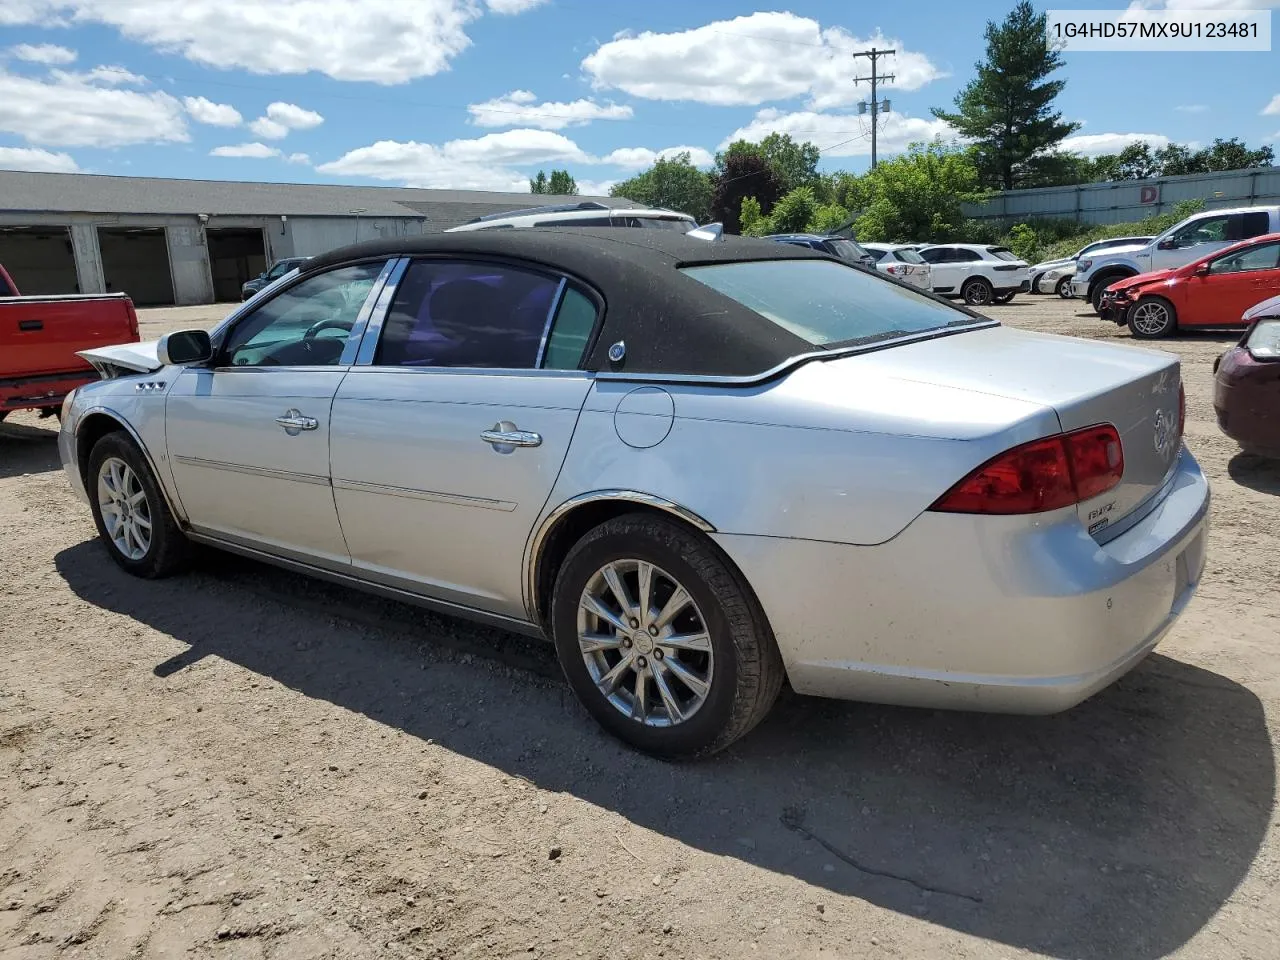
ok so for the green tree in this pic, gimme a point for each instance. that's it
(918, 195)
(795, 164)
(539, 184)
(753, 223)
(795, 212)
(562, 184)
(674, 183)
(742, 173)
(1007, 110)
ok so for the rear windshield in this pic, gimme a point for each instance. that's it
(908, 256)
(1002, 253)
(827, 303)
(667, 223)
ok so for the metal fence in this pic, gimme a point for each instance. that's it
(1130, 200)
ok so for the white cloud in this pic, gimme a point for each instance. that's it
(214, 114)
(105, 76)
(40, 161)
(280, 118)
(293, 116)
(298, 158)
(508, 7)
(638, 158)
(266, 127)
(1273, 107)
(750, 60)
(595, 188)
(1099, 144)
(254, 151)
(378, 41)
(521, 108)
(486, 163)
(71, 110)
(1191, 108)
(42, 53)
(842, 134)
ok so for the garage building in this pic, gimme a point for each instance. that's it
(167, 242)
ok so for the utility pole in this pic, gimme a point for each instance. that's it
(874, 55)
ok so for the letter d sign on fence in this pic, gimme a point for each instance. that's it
(1150, 194)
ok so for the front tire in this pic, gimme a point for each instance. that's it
(130, 512)
(1152, 318)
(661, 640)
(1004, 297)
(977, 292)
(1063, 289)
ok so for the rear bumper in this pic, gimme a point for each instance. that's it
(981, 613)
(42, 390)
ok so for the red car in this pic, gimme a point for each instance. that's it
(1246, 383)
(1213, 291)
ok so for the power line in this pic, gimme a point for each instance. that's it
(874, 56)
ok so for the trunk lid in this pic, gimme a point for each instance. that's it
(1085, 382)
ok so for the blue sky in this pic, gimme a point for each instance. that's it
(482, 93)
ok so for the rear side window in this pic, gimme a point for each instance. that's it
(576, 222)
(467, 314)
(828, 303)
(1002, 253)
(1254, 224)
(570, 331)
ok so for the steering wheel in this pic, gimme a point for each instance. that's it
(329, 323)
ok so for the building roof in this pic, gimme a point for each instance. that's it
(25, 192)
(671, 323)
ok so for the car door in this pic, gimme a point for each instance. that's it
(1233, 284)
(449, 432)
(248, 433)
(945, 276)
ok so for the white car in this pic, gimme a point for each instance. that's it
(901, 260)
(588, 213)
(1054, 276)
(979, 274)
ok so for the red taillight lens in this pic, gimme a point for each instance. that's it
(891, 269)
(1042, 475)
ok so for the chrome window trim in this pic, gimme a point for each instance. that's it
(378, 315)
(548, 523)
(356, 335)
(551, 315)
(469, 371)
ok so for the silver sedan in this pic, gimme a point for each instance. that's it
(701, 466)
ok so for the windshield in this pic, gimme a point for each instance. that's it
(848, 250)
(907, 255)
(827, 303)
(1002, 253)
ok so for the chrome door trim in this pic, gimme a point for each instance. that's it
(362, 486)
(253, 471)
(548, 523)
(348, 580)
(170, 498)
(546, 327)
(358, 328)
(378, 313)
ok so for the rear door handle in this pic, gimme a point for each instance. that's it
(294, 422)
(30, 324)
(507, 435)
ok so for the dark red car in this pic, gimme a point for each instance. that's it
(1213, 291)
(1246, 383)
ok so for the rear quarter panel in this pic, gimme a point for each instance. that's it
(813, 455)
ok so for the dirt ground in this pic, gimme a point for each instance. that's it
(243, 763)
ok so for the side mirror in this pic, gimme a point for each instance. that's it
(1166, 244)
(1202, 270)
(183, 347)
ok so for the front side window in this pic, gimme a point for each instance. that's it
(828, 303)
(305, 325)
(1262, 257)
(449, 313)
(1207, 230)
(934, 254)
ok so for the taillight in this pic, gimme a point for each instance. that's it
(891, 269)
(133, 321)
(1041, 475)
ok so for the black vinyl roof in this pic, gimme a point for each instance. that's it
(671, 323)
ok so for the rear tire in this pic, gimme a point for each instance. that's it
(130, 512)
(629, 667)
(1004, 297)
(1063, 289)
(1152, 318)
(977, 292)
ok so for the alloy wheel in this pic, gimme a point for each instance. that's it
(1151, 318)
(645, 643)
(126, 512)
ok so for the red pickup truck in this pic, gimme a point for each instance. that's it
(39, 339)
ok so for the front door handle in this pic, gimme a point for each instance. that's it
(294, 422)
(506, 436)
